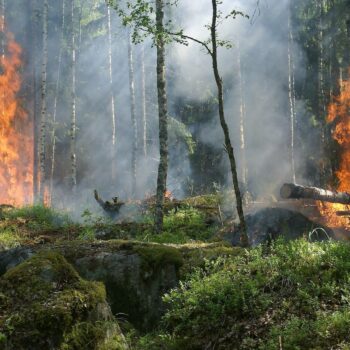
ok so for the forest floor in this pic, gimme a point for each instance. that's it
(190, 289)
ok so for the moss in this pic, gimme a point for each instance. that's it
(158, 255)
(196, 255)
(205, 200)
(89, 335)
(42, 301)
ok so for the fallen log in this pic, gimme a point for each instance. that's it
(297, 192)
(343, 213)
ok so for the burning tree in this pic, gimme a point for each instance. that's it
(16, 140)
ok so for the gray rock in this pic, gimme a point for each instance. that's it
(13, 257)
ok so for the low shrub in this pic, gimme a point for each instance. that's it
(291, 295)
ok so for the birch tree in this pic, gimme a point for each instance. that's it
(242, 114)
(42, 140)
(291, 94)
(140, 16)
(133, 117)
(211, 47)
(143, 102)
(73, 126)
(112, 98)
(57, 86)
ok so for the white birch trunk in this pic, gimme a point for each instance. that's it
(54, 116)
(42, 141)
(73, 108)
(242, 118)
(291, 98)
(143, 97)
(113, 110)
(133, 116)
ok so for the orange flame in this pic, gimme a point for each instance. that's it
(16, 130)
(339, 114)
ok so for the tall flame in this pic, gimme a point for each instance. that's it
(339, 114)
(16, 130)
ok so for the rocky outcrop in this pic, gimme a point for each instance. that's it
(45, 304)
(136, 275)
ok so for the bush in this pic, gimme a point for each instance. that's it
(294, 293)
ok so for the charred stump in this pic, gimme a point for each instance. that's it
(111, 207)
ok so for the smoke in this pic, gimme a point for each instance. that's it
(261, 42)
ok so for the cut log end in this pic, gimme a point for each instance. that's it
(286, 191)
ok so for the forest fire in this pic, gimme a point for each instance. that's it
(339, 114)
(16, 139)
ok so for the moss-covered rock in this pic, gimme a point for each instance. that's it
(46, 305)
(136, 275)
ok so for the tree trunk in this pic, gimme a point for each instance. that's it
(143, 97)
(34, 36)
(133, 117)
(228, 145)
(321, 92)
(163, 118)
(297, 192)
(73, 107)
(111, 87)
(42, 143)
(242, 117)
(291, 96)
(54, 116)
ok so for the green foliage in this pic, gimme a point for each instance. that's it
(179, 132)
(296, 292)
(87, 233)
(39, 217)
(9, 238)
(181, 226)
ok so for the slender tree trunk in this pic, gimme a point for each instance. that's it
(73, 127)
(163, 118)
(42, 145)
(133, 117)
(321, 92)
(228, 145)
(54, 116)
(35, 105)
(144, 108)
(291, 97)
(111, 87)
(242, 117)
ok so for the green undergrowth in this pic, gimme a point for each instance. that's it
(292, 296)
(39, 224)
(39, 217)
(45, 304)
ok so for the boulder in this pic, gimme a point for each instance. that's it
(136, 275)
(45, 304)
